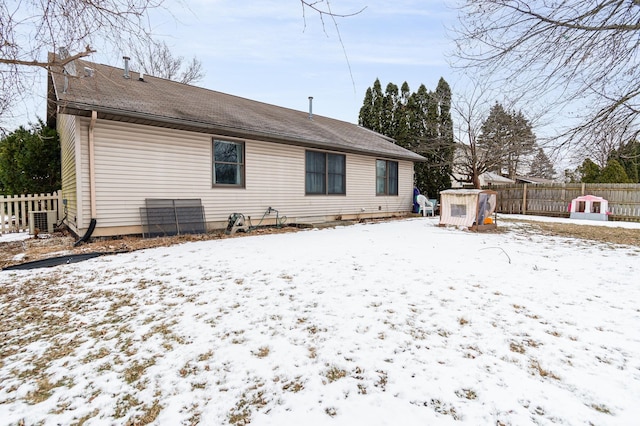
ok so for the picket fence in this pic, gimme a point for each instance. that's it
(14, 209)
(554, 199)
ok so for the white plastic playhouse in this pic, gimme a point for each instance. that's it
(589, 207)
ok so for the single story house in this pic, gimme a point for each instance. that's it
(486, 179)
(532, 180)
(128, 138)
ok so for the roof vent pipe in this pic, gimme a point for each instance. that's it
(126, 66)
(310, 107)
(141, 76)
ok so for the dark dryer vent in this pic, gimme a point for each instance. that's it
(165, 217)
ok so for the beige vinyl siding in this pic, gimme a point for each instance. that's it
(134, 162)
(67, 132)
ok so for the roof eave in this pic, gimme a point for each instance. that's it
(83, 109)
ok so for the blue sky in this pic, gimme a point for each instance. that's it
(268, 51)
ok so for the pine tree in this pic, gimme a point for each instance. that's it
(541, 166)
(30, 160)
(390, 104)
(371, 112)
(507, 139)
(589, 171)
(628, 155)
(613, 172)
(419, 121)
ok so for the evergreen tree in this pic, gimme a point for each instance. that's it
(30, 160)
(628, 155)
(390, 106)
(508, 140)
(589, 171)
(420, 122)
(372, 109)
(613, 172)
(541, 166)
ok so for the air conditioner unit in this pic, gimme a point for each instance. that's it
(43, 221)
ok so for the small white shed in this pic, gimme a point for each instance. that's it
(589, 207)
(472, 208)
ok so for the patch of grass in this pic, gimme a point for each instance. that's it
(294, 386)
(124, 404)
(313, 353)
(95, 355)
(443, 333)
(382, 380)
(83, 419)
(466, 393)
(198, 385)
(443, 408)
(517, 347)
(150, 413)
(537, 368)
(262, 352)
(205, 356)
(334, 373)
(331, 411)
(135, 371)
(554, 333)
(601, 408)
(463, 321)
(187, 370)
(253, 398)
(43, 391)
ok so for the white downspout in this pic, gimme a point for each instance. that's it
(92, 165)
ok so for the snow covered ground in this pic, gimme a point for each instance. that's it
(397, 323)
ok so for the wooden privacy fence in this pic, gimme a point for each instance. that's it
(14, 209)
(554, 199)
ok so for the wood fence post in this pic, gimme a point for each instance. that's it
(524, 199)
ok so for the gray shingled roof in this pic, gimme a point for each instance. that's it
(167, 103)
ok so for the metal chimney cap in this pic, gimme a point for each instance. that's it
(126, 66)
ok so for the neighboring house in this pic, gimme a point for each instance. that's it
(533, 180)
(126, 138)
(486, 179)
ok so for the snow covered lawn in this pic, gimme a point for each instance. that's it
(397, 323)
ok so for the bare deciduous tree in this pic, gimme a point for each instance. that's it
(155, 58)
(29, 30)
(568, 50)
(470, 160)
